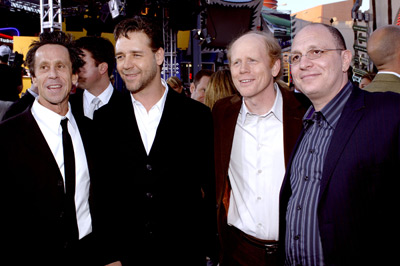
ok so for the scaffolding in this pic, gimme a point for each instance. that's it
(50, 15)
(170, 67)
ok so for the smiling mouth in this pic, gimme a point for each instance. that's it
(54, 87)
(244, 81)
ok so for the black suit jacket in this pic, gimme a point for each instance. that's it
(358, 199)
(32, 196)
(152, 207)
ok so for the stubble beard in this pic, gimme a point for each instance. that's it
(148, 77)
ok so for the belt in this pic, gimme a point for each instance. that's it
(271, 246)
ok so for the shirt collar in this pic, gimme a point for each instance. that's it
(389, 72)
(160, 104)
(276, 108)
(332, 111)
(104, 96)
(50, 119)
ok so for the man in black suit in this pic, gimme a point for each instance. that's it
(339, 198)
(46, 217)
(153, 209)
(94, 83)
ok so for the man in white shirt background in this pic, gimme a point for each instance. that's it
(94, 84)
(254, 134)
(45, 201)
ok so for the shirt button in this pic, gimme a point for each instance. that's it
(298, 207)
(311, 151)
(258, 198)
(259, 171)
(297, 237)
(306, 178)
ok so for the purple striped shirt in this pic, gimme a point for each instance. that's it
(303, 241)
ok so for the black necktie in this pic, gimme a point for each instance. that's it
(69, 168)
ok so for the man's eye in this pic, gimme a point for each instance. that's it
(316, 52)
(296, 58)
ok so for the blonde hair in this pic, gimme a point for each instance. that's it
(174, 82)
(219, 86)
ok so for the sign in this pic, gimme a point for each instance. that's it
(360, 48)
(360, 28)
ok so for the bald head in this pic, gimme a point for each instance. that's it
(384, 48)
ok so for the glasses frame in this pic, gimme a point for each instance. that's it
(307, 54)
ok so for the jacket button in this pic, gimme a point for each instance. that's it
(148, 166)
(149, 195)
(60, 183)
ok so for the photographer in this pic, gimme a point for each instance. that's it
(10, 76)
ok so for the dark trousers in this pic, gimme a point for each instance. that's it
(240, 249)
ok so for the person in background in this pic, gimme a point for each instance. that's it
(94, 86)
(175, 83)
(342, 178)
(366, 79)
(254, 134)
(11, 78)
(49, 219)
(199, 84)
(153, 210)
(23, 103)
(384, 50)
(219, 86)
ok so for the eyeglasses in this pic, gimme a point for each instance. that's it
(312, 54)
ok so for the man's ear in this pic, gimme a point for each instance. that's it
(103, 68)
(276, 68)
(192, 87)
(346, 60)
(159, 56)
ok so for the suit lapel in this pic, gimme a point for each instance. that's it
(292, 122)
(229, 124)
(38, 147)
(350, 117)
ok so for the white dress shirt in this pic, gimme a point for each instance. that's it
(149, 121)
(256, 171)
(104, 98)
(49, 124)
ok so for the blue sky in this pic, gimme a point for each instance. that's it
(299, 5)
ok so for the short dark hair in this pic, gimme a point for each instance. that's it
(55, 37)
(102, 50)
(336, 34)
(201, 73)
(146, 25)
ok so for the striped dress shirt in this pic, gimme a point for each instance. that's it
(303, 242)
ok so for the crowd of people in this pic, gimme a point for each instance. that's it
(240, 171)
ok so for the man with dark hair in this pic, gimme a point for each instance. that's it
(153, 210)
(339, 197)
(94, 86)
(199, 84)
(45, 200)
